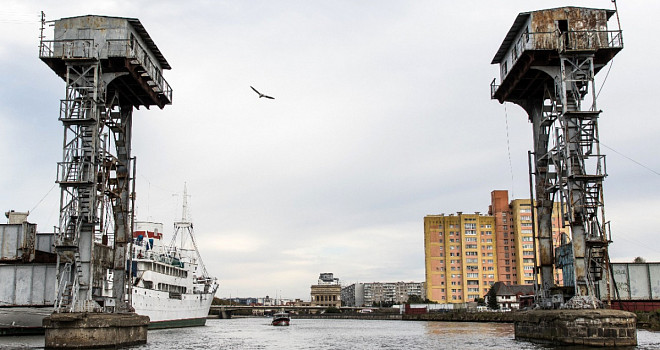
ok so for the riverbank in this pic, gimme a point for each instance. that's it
(351, 316)
(649, 320)
(461, 316)
(456, 316)
(645, 320)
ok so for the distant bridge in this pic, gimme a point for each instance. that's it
(225, 311)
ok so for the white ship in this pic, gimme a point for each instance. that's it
(170, 282)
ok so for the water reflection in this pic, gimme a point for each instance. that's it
(470, 329)
(257, 333)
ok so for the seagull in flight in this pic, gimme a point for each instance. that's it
(262, 95)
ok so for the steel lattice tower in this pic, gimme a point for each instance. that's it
(548, 62)
(110, 65)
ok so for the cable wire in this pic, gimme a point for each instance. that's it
(605, 79)
(630, 159)
(508, 149)
(44, 197)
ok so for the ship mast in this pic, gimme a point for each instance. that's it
(186, 226)
(184, 213)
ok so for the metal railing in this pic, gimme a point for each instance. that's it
(589, 40)
(562, 42)
(89, 49)
(567, 41)
(493, 88)
(132, 49)
(69, 49)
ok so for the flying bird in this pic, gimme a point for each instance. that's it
(262, 95)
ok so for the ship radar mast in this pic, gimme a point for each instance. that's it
(184, 212)
(184, 230)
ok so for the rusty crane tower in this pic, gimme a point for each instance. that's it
(548, 61)
(110, 65)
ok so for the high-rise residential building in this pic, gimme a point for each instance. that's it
(505, 247)
(515, 243)
(466, 253)
(523, 233)
(460, 252)
(353, 295)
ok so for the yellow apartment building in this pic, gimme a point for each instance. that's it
(515, 243)
(460, 256)
(523, 234)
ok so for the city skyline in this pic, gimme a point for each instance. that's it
(381, 116)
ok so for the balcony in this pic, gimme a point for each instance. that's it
(137, 61)
(544, 49)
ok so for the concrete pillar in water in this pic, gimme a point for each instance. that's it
(601, 328)
(81, 330)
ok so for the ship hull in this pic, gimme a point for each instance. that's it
(281, 322)
(165, 312)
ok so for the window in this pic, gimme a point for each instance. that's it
(470, 226)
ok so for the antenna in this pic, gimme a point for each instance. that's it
(185, 203)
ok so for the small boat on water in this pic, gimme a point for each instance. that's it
(281, 319)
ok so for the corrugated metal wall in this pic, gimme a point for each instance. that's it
(27, 284)
(635, 281)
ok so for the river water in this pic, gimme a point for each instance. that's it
(257, 333)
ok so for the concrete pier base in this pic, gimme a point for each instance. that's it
(94, 330)
(601, 328)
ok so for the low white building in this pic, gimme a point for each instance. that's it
(508, 296)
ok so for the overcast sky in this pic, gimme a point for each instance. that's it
(382, 115)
